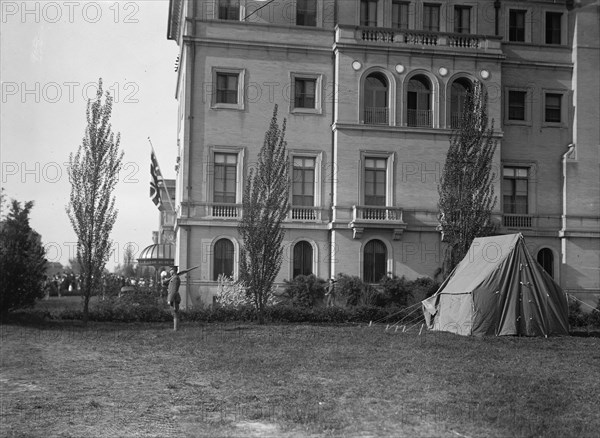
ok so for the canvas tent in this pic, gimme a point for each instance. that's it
(498, 289)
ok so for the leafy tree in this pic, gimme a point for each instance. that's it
(265, 206)
(93, 174)
(466, 191)
(22, 260)
(128, 269)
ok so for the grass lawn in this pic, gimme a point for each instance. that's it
(144, 380)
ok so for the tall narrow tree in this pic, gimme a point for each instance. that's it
(265, 206)
(466, 187)
(93, 174)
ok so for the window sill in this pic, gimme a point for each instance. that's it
(553, 125)
(306, 111)
(518, 123)
(227, 106)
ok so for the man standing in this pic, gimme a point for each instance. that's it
(330, 294)
(173, 297)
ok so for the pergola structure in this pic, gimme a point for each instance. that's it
(158, 255)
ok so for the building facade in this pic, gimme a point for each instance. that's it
(371, 90)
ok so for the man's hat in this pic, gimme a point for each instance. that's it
(174, 267)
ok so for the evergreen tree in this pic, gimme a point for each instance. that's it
(466, 190)
(22, 260)
(265, 206)
(93, 174)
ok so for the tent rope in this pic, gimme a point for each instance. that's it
(397, 323)
(585, 304)
(395, 313)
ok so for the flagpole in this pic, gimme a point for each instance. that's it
(162, 178)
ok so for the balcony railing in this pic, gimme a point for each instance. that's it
(303, 213)
(364, 216)
(408, 38)
(228, 211)
(464, 41)
(367, 213)
(418, 118)
(376, 116)
(517, 220)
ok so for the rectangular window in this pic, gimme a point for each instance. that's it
(399, 14)
(303, 183)
(375, 181)
(462, 19)
(225, 178)
(515, 192)
(227, 88)
(516, 105)
(553, 108)
(553, 27)
(516, 25)
(431, 18)
(304, 93)
(306, 12)
(229, 10)
(368, 13)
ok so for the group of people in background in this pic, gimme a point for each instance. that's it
(64, 283)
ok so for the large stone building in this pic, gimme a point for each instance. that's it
(371, 90)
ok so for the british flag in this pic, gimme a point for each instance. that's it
(156, 176)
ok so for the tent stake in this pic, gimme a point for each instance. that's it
(421, 330)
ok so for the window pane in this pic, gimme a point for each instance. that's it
(225, 178)
(375, 181)
(399, 15)
(516, 25)
(302, 259)
(515, 190)
(306, 12)
(303, 185)
(229, 10)
(553, 27)
(516, 105)
(553, 108)
(374, 261)
(431, 18)
(546, 259)
(227, 88)
(462, 19)
(304, 93)
(223, 258)
(368, 13)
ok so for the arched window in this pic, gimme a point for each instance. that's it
(546, 259)
(375, 111)
(303, 258)
(418, 102)
(458, 96)
(374, 261)
(223, 258)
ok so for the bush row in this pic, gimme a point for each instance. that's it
(578, 318)
(390, 291)
(279, 313)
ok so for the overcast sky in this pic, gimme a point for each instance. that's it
(52, 54)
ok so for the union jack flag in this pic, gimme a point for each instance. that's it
(155, 174)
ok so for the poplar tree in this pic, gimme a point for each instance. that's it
(265, 205)
(93, 174)
(466, 188)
